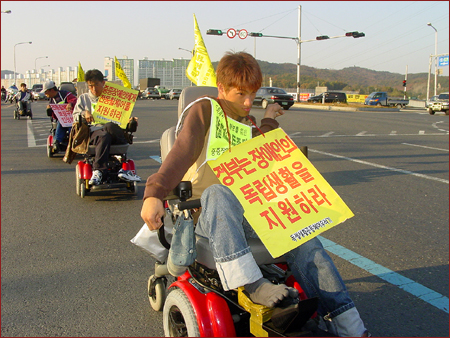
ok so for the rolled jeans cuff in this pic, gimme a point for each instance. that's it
(347, 324)
(238, 272)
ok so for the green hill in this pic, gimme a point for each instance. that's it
(349, 79)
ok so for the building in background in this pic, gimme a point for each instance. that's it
(172, 73)
(126, 64)
(33, 76)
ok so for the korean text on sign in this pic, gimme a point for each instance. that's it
(286, 200)
(115, 105)
(63, 115)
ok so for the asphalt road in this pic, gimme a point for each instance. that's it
(69, 269)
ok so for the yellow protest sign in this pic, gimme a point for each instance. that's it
(285, 199)
(115, 105)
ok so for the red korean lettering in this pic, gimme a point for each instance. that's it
(315, 195)
(304, 174)
(289, 177)
(265, 190)
(288, 210)
(274, 180)
(270, 221)
(258, 157)
(305, 204)
(250, 194)
(221, 169)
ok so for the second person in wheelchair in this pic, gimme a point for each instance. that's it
(221, 219)
(102, 135)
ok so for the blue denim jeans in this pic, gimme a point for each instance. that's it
(223, 223)
(61, 132)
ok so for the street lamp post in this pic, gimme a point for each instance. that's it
(40, 57)
(435, 57)
(7, 12)
(190, 51)
(20, 43)
(187, 50)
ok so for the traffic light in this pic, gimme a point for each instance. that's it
(255, 34)
(322, 37)
(355, 34)
(404, 83)
(214, 32)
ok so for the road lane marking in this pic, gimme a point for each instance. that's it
(416, 145)
(418, 290)
(327, 134)
(406, 284)
(30, 135)
(156, 158)
(381, 166)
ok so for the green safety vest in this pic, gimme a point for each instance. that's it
(218, 141)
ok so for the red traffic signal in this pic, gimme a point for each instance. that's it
(404, 83)
(355, 34)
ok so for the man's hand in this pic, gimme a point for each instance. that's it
(88, 116)
(69, 107)
(273, 110)
(152, 211)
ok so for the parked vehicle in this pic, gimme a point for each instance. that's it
(162, 91)
(173, 94)
(37, 86)
(440, 105)
(382, 99)
(267, 95)
(149, 82)
(431, 100)
(38, 94)
(330, 97)
(151, 93)
(69, 86)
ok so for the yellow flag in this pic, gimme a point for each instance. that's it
(121, 74)
(80, 76)
(200, 70)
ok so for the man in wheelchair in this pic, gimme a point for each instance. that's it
(221, 219)
(101, 135)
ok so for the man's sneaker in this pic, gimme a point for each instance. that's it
(96, 178)
(127, 175)
(56, 148)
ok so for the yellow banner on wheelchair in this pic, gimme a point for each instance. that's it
(285, 199)
(115, 105)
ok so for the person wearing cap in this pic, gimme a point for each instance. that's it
(58, 97)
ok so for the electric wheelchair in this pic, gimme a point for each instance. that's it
(118, 162)
(195, 304)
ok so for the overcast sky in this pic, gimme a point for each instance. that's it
(69, 32)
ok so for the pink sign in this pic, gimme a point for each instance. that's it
(64, 116)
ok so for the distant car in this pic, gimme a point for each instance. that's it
(69, 86)
(431, 100)
(173, 94)
(440, 105)
(267, 95)
(38, 94)
(330, 97)
(151, 93)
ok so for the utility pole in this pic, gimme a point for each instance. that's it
(406, 78)
(297, 39)
(299, 50)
